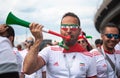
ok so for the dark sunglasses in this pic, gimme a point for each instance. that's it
(29, 41)
(82, 41)
(116, 36)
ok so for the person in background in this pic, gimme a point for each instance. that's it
(66, 60)
(28, 43)
(19, 47)
(38, 74)
(55, 43)
(84, 43)
(10, 34)
(107, 58)
(98, 43)
(8, 61)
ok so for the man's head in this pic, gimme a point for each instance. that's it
(9, 33)
(98, 43)
(110, 35)
(29, 42)
(70, 26)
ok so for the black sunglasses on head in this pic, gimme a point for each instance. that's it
(116, 36)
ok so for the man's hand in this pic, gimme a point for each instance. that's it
(36, 30)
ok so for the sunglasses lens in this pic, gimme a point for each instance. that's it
(109, 35)
(116, 36)
(29, 41)
(78, 41)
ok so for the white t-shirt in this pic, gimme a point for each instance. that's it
(104, 69)
(8, 62)
(65, 65)
(37, 74)
(19, 59)
(117, 47)
(40, 71)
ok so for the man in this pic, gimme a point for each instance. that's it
(68, 60)
(107, 58)
(10, 34)
(8, 62)
(98, 43)
(38, 74)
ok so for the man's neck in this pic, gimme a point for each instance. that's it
(108, 50)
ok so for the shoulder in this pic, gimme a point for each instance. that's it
(87, 54)
(51, 49)
(95, 52)
(56, 48)
(117, 51)
(4, 39)
(117, 47)
(5, 43)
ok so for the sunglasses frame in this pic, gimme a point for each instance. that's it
(73, 27)
(29, 41)
(116, 36)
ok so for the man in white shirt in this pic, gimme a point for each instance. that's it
(110, 36)
(68, 60)
(8, 62)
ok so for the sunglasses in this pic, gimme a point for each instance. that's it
(116, 36)
(29, 41)
(73, 27)
(82, 41)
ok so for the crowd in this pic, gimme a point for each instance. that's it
(73, 58)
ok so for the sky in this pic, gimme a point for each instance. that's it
(49, 14)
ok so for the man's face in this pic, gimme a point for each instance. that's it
(29, 42)
(110, 37)
(68, 31)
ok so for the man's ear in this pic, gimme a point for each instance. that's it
(102, 35)
(11, 38)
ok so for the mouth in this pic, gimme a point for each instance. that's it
(112, 43)
(68, 37)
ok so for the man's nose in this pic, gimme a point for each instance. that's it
(68, 30)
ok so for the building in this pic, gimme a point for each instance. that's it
(109, 11)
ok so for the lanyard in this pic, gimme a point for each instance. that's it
(107, 59)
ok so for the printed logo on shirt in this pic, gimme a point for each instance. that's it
(104, 65)
(56, 48)
(56, 64)
(88, 54)
(82, 64)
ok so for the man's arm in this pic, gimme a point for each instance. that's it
(32, 61)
